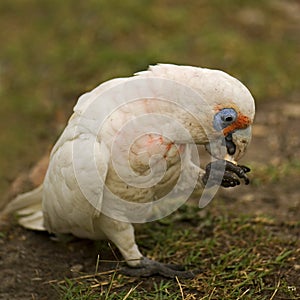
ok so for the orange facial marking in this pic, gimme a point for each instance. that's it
(241, 123)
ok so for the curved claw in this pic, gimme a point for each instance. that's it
(149, 268)
(228, 176)
(240, 171)
(245, 169)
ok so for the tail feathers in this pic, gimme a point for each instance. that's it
(29, 207)
(34, 221)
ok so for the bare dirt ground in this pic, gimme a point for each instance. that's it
(29, 261)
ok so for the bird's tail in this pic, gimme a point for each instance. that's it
(28, 207)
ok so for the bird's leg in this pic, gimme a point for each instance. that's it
(229, 172)
(122, 235)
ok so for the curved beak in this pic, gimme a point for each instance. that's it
(232, 147)
(240, 140)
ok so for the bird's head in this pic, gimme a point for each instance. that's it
(233, 114)
(227, 114)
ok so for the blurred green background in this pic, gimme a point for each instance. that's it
(52, 51)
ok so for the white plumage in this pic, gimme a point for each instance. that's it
(60, 205)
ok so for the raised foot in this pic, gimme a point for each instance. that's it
(229, 174)
(149, 268)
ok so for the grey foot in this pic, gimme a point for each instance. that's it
(229, 172)
(149, 268)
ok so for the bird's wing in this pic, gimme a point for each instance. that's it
(74, 185)
(75, 180)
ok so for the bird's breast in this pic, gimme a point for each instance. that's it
(152, 149)
(145, 170)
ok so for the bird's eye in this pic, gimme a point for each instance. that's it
(224, 118)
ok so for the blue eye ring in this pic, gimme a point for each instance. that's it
(224, 118)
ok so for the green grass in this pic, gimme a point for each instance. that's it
(275, 172)
(236, 257)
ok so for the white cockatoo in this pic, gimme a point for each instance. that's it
(120, 158)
